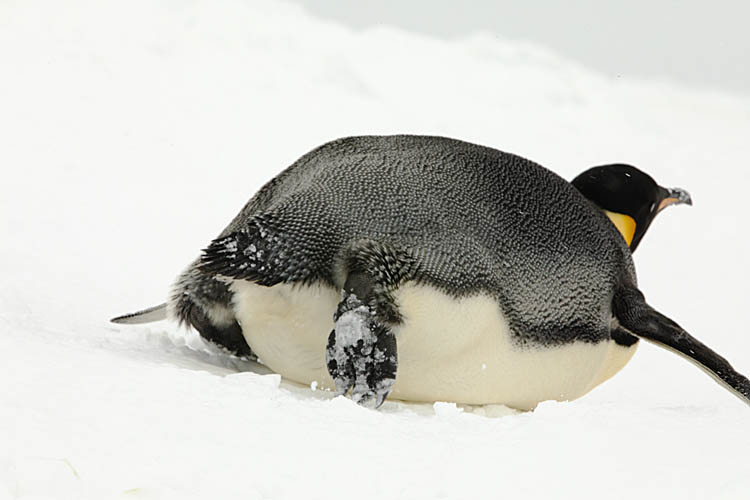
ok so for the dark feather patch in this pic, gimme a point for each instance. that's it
(255, 253)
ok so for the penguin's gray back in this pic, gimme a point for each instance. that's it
(427, 269)
(474, 220)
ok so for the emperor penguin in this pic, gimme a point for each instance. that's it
(431, 269)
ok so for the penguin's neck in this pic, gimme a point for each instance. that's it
(624, 223)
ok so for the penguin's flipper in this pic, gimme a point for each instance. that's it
(361, 354)
(260, 253)
(640, 319)
(156, 313)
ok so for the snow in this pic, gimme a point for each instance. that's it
(131, 133)
(352, 325)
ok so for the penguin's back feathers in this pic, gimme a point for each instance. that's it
(474, 219)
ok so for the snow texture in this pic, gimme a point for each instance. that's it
(352, 326)
(132, 132)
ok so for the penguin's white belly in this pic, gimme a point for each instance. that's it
(457, 350)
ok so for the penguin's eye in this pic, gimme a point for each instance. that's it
(653, 206)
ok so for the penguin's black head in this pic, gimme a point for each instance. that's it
(629, 197)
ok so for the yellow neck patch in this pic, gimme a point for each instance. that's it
(624, 223)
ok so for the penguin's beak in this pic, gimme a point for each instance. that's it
(675, 196)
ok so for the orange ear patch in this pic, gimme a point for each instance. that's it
(624, 223)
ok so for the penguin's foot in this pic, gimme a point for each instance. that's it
(361, 353)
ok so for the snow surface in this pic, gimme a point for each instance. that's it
(131, 133)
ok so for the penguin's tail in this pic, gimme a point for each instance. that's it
(156, 313)
(640, 319)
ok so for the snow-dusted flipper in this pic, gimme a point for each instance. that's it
(361, 355)
(262, 253)
(634, 314)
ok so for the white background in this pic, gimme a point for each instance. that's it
(690, 42)
(131, 133)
